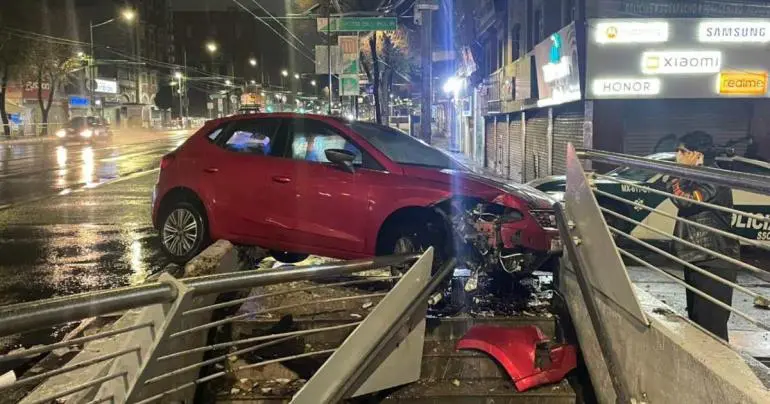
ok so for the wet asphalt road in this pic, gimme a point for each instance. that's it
(76, 217)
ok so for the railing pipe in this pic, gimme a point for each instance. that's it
(25, 317)
(731, 179)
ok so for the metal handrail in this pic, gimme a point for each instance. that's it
(24, 317)
(732, 179)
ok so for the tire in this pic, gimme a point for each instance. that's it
(287, 257)
(183, 231)
(414, 238)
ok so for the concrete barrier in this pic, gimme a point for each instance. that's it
(671, 361)
(218, 258)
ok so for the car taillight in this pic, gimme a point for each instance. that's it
(166, 161)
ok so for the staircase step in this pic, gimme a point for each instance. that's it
(443, 329)
(482, 391)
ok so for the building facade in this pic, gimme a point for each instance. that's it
(615, 75)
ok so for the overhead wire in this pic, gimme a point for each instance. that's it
(302, 53)
(279, 23)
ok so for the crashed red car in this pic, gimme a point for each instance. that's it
(305, 184)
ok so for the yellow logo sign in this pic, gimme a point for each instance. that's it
(611, 32)
(652, 62)
(743, 83)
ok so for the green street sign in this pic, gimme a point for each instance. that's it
(355, 24)
(349, 85)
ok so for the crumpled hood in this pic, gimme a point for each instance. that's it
(475, 184)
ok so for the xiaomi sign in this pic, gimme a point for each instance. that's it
(743, 83)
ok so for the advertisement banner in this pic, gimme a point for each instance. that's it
(558, 72)
(349, 46)
(349, 85)
(30, 89)
(677, 58)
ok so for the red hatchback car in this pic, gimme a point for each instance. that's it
(306, 184)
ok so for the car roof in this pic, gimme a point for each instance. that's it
(283, 115)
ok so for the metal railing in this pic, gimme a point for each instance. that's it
(623, 203)
(169, 339)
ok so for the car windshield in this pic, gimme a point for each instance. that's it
(402, 148)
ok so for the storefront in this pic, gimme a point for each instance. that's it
(652, 78)
(538, 110)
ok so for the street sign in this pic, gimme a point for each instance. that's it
(349, 85)
(355, 24)
(322, 59)
(349, 47)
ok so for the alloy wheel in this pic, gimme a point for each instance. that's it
(180, 232)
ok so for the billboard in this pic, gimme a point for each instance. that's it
(558, 73)
(677, 58)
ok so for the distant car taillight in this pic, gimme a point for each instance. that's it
(166, 161)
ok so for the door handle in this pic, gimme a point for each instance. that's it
(282, 180)
(211, 170)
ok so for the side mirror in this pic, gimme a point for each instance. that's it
(342, 158)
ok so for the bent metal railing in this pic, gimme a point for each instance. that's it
(165, 349)
(583, 211)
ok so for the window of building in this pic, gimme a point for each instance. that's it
(515, 42)
(538, 29)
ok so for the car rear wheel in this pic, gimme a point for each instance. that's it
(183, 231)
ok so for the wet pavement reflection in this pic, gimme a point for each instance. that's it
(75, 218)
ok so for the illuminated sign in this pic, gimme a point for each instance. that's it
(632, 32)
(734, 31)
(681, 62)
(106, 86)
(743, 83)
(626, 86)
(556, 71)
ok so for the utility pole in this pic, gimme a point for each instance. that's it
(184, 79)
(423, 16)
(329, 51)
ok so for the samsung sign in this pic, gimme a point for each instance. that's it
(677, 58)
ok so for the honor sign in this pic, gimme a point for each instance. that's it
(677, 58)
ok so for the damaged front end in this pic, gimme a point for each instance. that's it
(494, 241)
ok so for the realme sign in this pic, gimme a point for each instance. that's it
(743, 83)
(681, 62)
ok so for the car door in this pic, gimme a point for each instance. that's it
(327, 205)
(239, 173)
(751, 202)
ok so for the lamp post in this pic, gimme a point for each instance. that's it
(284, 74)
(180, 77)
(127, 15)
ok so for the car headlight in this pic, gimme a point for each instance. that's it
(545, 218)
(86, 133)
(61, 133)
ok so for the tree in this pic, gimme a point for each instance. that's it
(49, 66)
(12, 55)
(385, 55)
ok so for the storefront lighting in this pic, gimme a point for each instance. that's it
(681, 62)
(626, 86)
(735, 31)
(631, 32)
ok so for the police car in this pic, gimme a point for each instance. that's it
(745, 226)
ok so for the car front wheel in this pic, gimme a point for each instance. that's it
(183, 231)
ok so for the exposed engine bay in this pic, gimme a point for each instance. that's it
(491, 254)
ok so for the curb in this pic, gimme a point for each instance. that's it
(23, 140)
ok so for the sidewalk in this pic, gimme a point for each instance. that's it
(442, 142)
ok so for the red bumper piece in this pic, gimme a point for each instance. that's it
(516, 348)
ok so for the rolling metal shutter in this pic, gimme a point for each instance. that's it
(489, 136)
(516, 149)
(647, 121)
(567, 128)
(501, 133)
(536, 144)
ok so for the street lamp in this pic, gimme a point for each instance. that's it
(211, 47)
(128, 15)
(284, 73)
(253, 62)
(228, 82)
(313, 83)
(253, 82)
(179, 76)
(296, 76)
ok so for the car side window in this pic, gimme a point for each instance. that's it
(751, 168)
(310, 140)
(213, 135)
(253, 136)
